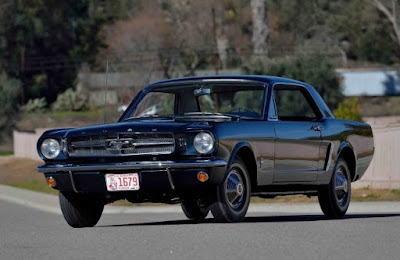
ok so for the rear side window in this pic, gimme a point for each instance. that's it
(295, 104)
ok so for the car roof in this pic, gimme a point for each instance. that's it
(259, 78)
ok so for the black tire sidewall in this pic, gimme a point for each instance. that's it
(79, 210)
(192, 209)
(327, 196)
(230, 214)
(341, 163)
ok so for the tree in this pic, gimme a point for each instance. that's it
(260, 27)
(363, 33)
(9, 91)
(193, 32)
(43, 42)
(391, 14)
(315, 70)
(175, 40)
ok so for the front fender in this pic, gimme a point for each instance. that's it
(235, 150)
(228, 154)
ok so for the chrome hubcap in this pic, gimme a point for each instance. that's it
(239, 189)
(341, 187)
(235, 189)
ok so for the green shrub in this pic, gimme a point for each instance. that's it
(34, 105)
(71, 100)
(349, 109)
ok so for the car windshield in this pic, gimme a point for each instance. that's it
(227, 99)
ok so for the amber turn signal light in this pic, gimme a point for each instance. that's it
(51, 182)
(202, 176)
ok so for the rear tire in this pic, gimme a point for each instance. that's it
(335, 198)
(79, 210)
(233, 194)
(193, 210)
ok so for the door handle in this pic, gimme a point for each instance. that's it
(316, 128)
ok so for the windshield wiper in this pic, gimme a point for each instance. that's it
(212, 114)
(149, 117)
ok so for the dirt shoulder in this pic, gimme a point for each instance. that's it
(14, 170)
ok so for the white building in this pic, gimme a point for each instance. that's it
(369, 82)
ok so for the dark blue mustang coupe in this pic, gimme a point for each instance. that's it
(209, 143)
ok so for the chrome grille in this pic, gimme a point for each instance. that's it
(121, 144)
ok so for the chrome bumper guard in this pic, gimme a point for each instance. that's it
(132, 166)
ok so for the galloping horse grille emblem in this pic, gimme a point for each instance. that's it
(119, 144)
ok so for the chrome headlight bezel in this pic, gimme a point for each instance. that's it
(204, 143)
(50, 148)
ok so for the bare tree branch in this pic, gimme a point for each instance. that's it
(390, 15)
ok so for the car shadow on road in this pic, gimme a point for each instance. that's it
(262, 219)
(309, 218)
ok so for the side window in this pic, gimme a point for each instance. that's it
(294, 104)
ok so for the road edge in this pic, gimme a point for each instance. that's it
(49, 203)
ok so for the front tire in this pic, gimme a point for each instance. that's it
(79, 210)
(193, 210)
(233, 194)
(335, 198)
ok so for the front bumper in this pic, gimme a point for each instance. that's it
(154, 175)
(132, 166)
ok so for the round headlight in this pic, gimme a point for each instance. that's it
(50, 148)
(203, 143)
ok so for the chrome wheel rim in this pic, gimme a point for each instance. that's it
(341, 187)
(235, 189)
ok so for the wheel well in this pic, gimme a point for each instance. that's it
(247, 157)
(348, 156)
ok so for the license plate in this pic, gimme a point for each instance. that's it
(121, 182)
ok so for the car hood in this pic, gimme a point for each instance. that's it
(151, 126)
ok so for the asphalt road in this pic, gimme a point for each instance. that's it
(30, 233)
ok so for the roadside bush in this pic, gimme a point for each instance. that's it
(71, 100)
(349, 109)
(34, 105)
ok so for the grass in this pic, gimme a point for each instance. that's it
(396, 192)
(21, 173)
(6, 153)
(35, 185)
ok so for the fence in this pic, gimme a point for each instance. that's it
(25, 143)
(383, 173)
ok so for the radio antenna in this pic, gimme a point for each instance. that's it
(105, 94)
